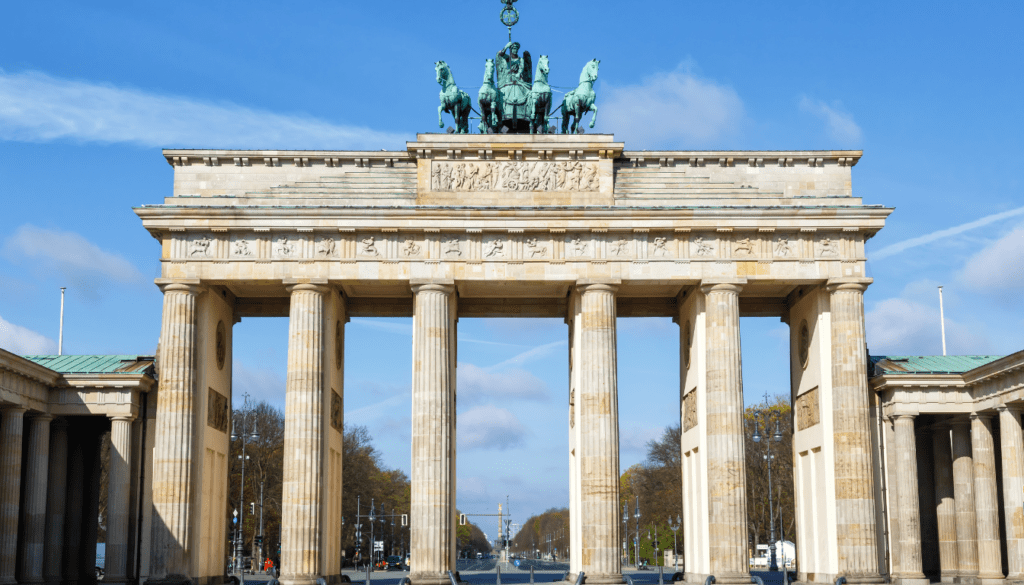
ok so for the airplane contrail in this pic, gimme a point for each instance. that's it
(893, 249)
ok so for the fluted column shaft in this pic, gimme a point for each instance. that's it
(851, 420)
(73, 512)
(986, 504)
(945, 504)
(118, 501)
(727, 499)
(34, 511)
(1011, 443)
(11, 427)
(303, 436)
(599, 435)
(909, 511)
(432, 525)
(963, 490)
(173, 451)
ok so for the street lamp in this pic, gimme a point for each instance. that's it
(636, 537)
(776, 437)
(252, 435)
(675, 546)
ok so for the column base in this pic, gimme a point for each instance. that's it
(170, 580)
(428, 579)
(922, 580)
(723, 579)
(612, 579)
(991, 580)
(299, 579)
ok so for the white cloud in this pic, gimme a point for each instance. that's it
(489, 427)
(635, 439)
(840, 124)
(77, 259)
(893, 249)
(262, 383)
(999, 268)
(670, 109)
(476, 383)
(23, 341)
(35, 107)
(901, 326)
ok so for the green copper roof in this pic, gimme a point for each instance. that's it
(928, 364)
(94, 364)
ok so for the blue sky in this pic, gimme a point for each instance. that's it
(90, 92)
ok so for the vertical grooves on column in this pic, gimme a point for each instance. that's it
(55, 501)
(909, 512)
(851, 419)
(726, 465)
(11, 427)
(303, 439)
(433, 439)
(985, 503)
(36, 475)
(1011, 444)
(945, 507)
(172, 457)
(963, 488)
(117, 499)
(599, 435)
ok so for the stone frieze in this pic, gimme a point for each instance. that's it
(570, 175)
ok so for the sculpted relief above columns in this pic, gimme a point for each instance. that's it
(510, 244)
(570, 175)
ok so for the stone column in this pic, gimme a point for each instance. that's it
(907, 498)
(433, 433)
(73, 511)
(945, 505)
(11, 425)
(34, 512)
(1012, 444)
(851, 419)
(118, 500)
(986, 505)
(727, 499)
(303, 436)
(963, 490)
(599, 435)
(170, 554)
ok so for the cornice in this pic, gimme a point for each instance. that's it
(751, 158)
(27, 368)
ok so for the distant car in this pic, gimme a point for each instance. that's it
(394, 562)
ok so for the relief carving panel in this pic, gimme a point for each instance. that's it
(690, 410)
(514, 176)
(217, 411)
(808, 413)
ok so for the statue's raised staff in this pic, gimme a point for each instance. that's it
(453, 100)
(581, 100)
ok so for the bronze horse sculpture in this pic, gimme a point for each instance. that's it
(453, 100)
(581, 100)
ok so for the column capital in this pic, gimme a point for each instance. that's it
(41, 417)
(585, 285)
(188, 285)
(710, 285)
(848, 284)
(6, 410)
(1010, 407)
(123, 417)
(899, 413)
(441, 285)
(982, 416)
(312, 285)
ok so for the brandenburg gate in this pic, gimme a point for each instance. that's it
(517, 225)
